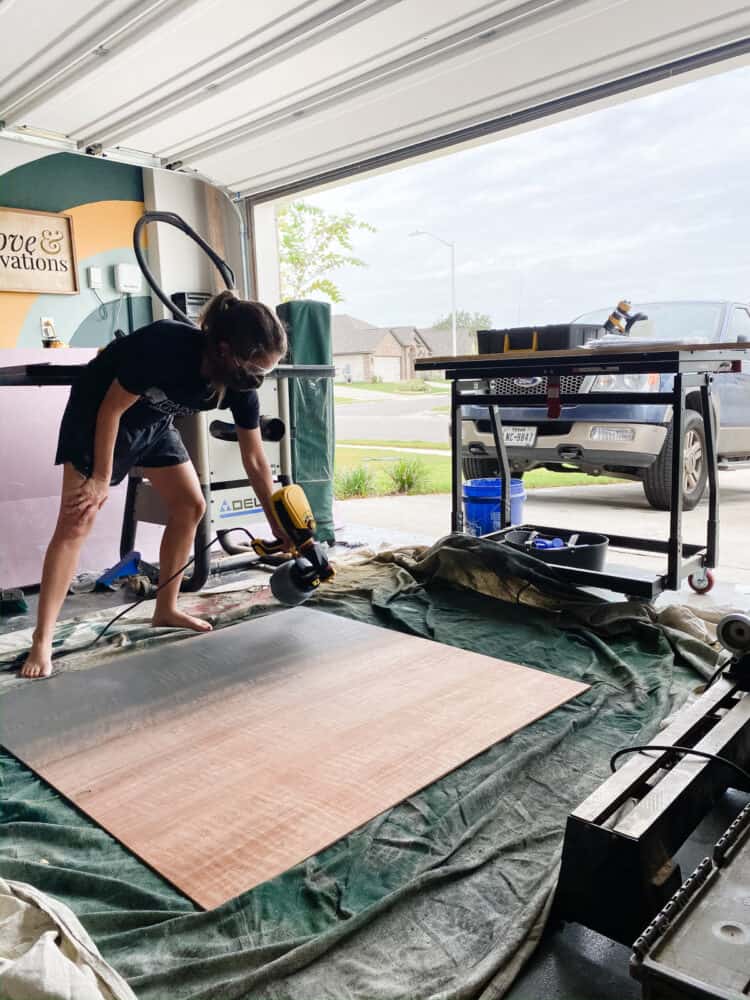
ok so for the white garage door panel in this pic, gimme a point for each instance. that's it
(403, 111)
(322, 66)
(464, 77)
(349, 367)
(185, 73)
(34, 33)
(154, 62)
(389, 369)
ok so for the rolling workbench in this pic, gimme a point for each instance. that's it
(691, 366)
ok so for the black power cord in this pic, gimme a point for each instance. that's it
(135, 604)
(150, 596)
(59, 653)
(684, 751)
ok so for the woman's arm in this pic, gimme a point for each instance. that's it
(93, 491)
(259, 473)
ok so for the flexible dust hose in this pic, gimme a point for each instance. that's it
(172, 219)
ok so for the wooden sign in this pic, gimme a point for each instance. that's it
(37, 252)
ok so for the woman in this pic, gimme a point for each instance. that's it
(120, 414)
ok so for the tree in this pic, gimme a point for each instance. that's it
(465, 321)
(312, 244)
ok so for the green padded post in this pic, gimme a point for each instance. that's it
(308, 326)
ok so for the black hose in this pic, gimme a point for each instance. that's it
(684, 751)
(172, 219)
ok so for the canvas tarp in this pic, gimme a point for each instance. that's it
(443, 895)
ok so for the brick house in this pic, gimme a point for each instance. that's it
(362, 351)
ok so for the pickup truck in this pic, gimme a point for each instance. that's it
(632, 442)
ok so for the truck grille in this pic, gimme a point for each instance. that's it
(570, 385)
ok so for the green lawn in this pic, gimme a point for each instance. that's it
(438, 476)
(414, 386)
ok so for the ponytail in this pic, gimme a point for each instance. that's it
(249, 328)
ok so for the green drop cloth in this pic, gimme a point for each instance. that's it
(441, 896)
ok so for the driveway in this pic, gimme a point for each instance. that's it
(619, 508)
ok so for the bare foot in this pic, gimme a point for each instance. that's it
(179, 619)
(38, 664)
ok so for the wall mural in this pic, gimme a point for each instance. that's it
(104, 200)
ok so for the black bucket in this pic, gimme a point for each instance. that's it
(581, 549)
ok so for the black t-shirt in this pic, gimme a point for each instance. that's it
(161, 363)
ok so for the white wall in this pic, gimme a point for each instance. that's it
(266, 252)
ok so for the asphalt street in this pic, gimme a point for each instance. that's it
(391, 416)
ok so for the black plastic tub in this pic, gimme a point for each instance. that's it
(582, 549)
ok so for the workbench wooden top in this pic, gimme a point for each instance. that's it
(580, 352)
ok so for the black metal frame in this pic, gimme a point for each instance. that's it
(618, 866)
(692, 369)
(201, 568)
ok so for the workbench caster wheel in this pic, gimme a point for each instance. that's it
(702, 581)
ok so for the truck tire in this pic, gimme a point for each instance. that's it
(484, 468)
(657, 483)
(480, 468)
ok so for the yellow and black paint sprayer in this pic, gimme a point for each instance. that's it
(303, 566)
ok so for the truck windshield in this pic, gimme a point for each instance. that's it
(684, 322)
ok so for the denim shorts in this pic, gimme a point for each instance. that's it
(152, 446)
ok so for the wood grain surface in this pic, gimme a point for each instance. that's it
(225, 759)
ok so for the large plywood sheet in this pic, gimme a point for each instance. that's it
(225, 759)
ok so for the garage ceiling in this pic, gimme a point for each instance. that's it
(262, 97)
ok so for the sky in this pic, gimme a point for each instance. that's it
(647, 200)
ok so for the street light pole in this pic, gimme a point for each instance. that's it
(453, 299)
(452, 247)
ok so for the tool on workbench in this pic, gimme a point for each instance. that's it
(582, 549)
(733, 632)
(620, 321)
(296, 578)
(210, 439)
(620, 861)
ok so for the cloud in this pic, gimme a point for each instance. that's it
(647, 199)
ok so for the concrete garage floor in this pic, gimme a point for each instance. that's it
(619, 508)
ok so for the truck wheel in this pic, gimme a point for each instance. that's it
(657, 483)
(484, 468)
(480, 468)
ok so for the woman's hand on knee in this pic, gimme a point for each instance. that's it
(89, 496)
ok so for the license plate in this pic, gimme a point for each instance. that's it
(520, 437)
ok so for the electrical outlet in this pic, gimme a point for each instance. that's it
(96, 277)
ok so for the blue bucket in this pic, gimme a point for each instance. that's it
(482, 504)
